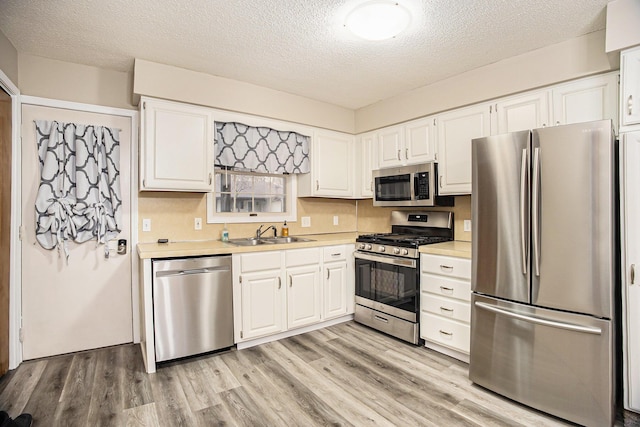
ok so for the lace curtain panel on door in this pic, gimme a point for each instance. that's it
(79, 196)
(261, 149)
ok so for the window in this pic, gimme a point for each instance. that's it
(242, 196)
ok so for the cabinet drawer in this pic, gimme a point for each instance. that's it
(334, 253)
(447, 332)
(446, 286)
(296, 257)
(445, 307)
(260, 261)
(446, 266)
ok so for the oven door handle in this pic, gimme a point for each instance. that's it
(402, 262)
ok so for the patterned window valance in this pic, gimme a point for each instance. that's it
(261, 149)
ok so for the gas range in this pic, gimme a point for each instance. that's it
(409, 231)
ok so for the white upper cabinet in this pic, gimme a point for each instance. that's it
(390, 146)
(584, 100)
(176, 147)
(630, 87)
(456, 129)
(332, 172)
(368, 162)
(410, 143)
(419, 141)
(522, 112)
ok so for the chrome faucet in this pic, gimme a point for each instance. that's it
(260, 231)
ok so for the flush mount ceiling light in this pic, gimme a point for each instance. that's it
(378, 20)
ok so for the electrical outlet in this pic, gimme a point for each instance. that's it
(467, 225)
(306, 221)
(335, 220)
(197, 223)
(146, 224)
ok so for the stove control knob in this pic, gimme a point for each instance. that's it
(368, 247)
(396, 251)
(382, 249)
(405, 252)
(361, 246)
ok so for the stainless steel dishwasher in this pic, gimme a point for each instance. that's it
(192, 306)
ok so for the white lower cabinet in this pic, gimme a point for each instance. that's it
(445, 310)
(279, 291)
(303, 292)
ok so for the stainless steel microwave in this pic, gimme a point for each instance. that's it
(414, 185)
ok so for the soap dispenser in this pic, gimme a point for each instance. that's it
(224, 236)
(285, 230)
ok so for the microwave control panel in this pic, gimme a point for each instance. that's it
(421, 185)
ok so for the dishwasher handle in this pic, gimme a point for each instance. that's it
(206, 270)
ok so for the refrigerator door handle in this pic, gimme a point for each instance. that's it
(535, 220)
(523, 212)
(538, 320)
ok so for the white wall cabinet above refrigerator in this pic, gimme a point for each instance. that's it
(630, 87)
(410, 143)
(332, 166)
(521, 112)
(176, 146)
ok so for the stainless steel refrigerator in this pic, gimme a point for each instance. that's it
(544, 269)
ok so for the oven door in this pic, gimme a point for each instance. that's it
(388, 284)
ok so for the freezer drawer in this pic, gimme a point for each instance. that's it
(560, 363)
(192, 306)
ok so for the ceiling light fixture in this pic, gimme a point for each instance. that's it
(378, 20)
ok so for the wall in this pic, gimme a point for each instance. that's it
(8, 59)
(172, 216)
(571, 59)
(66, 81)
(164, 81)
(376, 220)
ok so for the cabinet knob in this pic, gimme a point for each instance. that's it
(406, 153)
(398, 154)
(317, 185)
(632, 274)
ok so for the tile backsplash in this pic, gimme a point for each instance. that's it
(172, 217)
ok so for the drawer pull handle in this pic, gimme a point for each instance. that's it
(449, 334)
(338, 254)
(445, 289)
(382, 319)
(446, 267)
(446, 309)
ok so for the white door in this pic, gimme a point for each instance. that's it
(303, 296)
(630, 87)
(335, 289)
(630, 211)
(391, 142)
(262, 304)
(87, 303)
(420, 141)
(595, 98)
(334, 159)
(522, 112)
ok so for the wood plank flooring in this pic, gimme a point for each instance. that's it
(344, 375)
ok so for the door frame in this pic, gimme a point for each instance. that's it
(16, 302)
(15, 250)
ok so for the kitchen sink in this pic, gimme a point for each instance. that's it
(252, 241)
(288, 239)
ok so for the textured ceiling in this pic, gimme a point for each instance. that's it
(296, 46)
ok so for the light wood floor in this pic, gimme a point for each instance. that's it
(343, 375)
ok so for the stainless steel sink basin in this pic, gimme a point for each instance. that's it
(252, 241)
(288, 239)
(248, 241)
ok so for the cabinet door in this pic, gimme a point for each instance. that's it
(335, 289)
(368, 147)
(585, 100)
(333, 164)
(523, 112)
(176, 147)
(263, 297)
(390, 146)
(303, 295)
(420, 141)
(456, 129)
(630, 211)
(630, 87)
